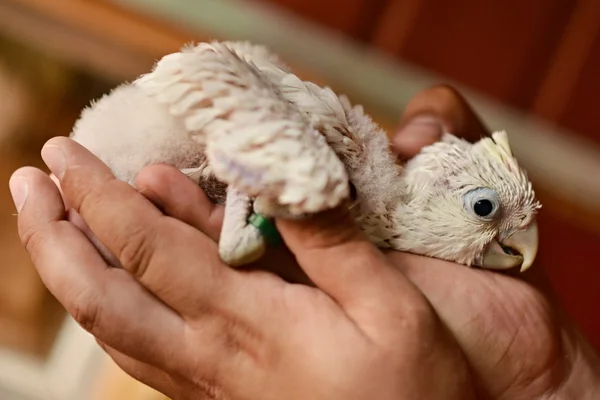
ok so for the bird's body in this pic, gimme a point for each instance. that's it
(234, 119)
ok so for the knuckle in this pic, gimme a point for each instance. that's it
(131, 244)
(93, 198)
(85, 310)
(417, 317)
(34, 238)
(135, 251)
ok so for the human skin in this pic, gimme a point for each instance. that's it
(371, 324)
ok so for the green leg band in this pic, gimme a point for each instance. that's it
(266, 228)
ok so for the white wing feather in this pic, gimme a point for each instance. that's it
(255, 140)
(262, 129)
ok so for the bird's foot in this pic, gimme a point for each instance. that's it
(242, 241)
(242, 247)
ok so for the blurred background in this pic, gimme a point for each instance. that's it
(530, 67)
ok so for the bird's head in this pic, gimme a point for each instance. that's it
(469, 203)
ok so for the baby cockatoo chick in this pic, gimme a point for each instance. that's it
(487, 203)
(266, 144)
(218, 119)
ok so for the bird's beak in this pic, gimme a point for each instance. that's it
(519, 249)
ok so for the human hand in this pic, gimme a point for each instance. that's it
(179, 320)
(517, 342)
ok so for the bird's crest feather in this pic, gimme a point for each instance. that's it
(498, 147)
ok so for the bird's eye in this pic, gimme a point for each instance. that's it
(482, 202)
(483, 208)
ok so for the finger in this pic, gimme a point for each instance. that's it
(144, 241)
(173, 386)
(343, 263)
(179, 197)
(144, 373)
(490, 315)
(231, 311)
(431, 113)
(57, 183)
(74, 218)
(104, 301)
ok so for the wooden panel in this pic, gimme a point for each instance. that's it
(500, 48)
(569, 255)
(356, 18)
(568, 62)
(567, 96)
(396, 25)
(581, 113)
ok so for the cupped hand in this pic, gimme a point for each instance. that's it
(517, 343)
(176, 318)
(179, 320)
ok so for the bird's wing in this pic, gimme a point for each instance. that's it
(327, 111)
(357, 140)
(255, 140)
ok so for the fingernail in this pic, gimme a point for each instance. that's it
(54, 158)
(19, 188)
(423, 128)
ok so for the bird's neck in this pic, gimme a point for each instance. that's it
(384, 228)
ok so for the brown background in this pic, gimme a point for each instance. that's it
(540, 56)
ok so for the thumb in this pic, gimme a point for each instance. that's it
(341, 260)
(431, 113)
